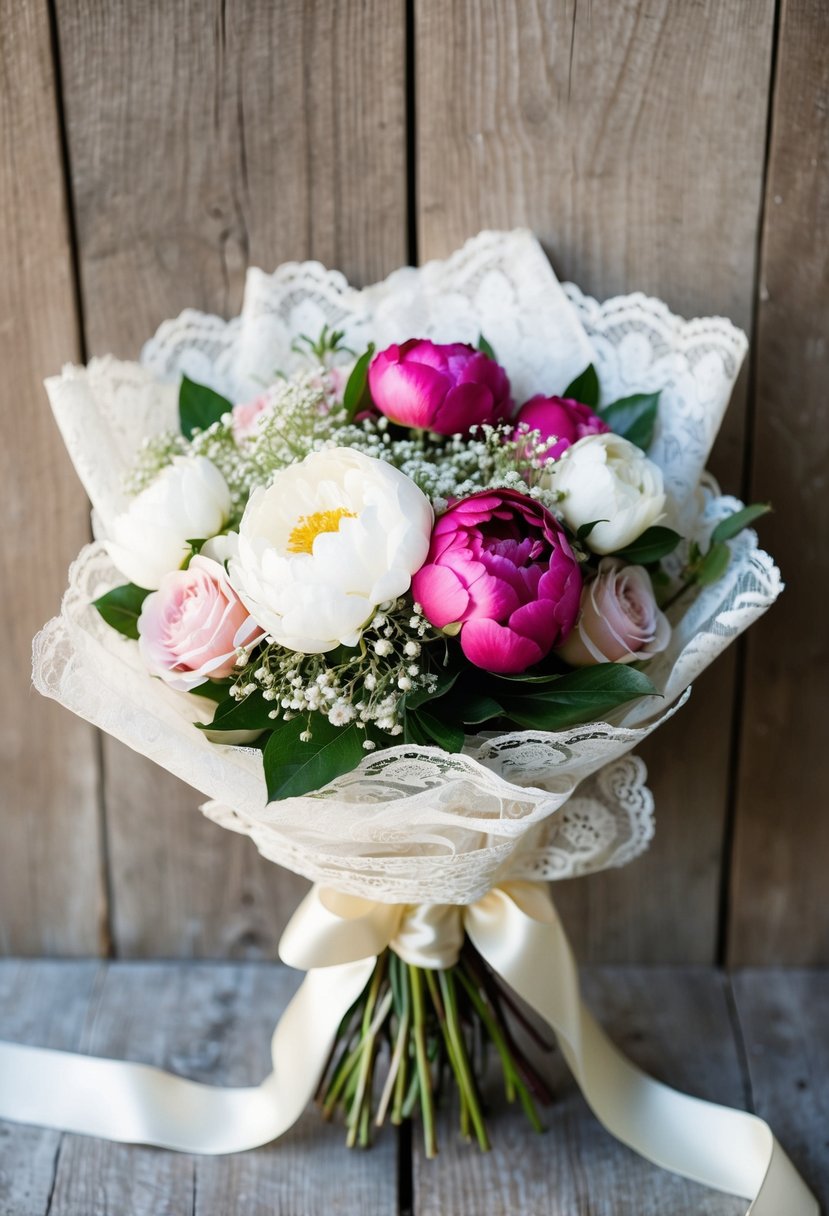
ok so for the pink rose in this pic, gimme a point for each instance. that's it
(619, 620)
(190, 628)
(500, 563)
(247, 417)
(560, 419)
(448, 389)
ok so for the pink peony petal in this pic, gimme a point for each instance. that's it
(497, 648)
(440, 594)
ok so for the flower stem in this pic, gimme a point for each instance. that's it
(423, 1072)
(447, 989)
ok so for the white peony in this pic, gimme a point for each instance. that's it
(189, 500)
(325, 543)
(605, 477)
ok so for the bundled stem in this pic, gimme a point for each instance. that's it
(420, 1025)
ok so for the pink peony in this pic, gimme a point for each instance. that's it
(618, 619)
(560, 419)
(448, 389)
(189, 629)
(500, 563)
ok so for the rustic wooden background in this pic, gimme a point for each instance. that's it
(150, 152)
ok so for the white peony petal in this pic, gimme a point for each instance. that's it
(314, 601)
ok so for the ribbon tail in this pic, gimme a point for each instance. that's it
(139, 1104)
(728, 1150)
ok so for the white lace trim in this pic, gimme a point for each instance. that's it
(414, 823)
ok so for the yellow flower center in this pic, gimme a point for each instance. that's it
(309, 527)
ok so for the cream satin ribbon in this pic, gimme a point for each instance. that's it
(336, 938)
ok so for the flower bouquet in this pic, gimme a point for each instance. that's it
(398, 578)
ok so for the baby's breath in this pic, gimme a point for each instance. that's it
(365, 685)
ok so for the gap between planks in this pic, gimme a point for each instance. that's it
(760, 1034)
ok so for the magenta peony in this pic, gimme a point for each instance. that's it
(500, 564)
(447, 389)
(560, 419)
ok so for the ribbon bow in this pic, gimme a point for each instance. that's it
(336, 939)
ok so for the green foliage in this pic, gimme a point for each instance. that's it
(121, 608)
(199, 407)
(356, 396)
(651, 546)
(585, 388)
(713, 565)
(485, 348)
(729, 527)
(248, 714)
(294, 766)
(634, 418)
(584, 695)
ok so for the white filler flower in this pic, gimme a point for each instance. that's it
(189, 500)
(605, 477)
(326, 542)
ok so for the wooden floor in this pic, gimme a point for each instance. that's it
(759, 1040)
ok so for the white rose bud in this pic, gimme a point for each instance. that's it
(604, 477)
(189, 500)
(328, 541)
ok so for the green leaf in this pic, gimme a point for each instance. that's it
(634, 418)
(293, 767)
(356, 396)
(585, 388)
(714, 565)
(250, 714)
(212, 690)
(449, 737)
(585, 530)
(199, 407)
(420, 696)
(652, 545)
(485, 348)
(121, 608)
(732, 524)
(585, 695)
(479, 707)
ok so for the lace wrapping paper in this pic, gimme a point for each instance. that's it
(414, 824)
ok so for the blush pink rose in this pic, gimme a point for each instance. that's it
(247, 416)
(618, 620)
(446, 388)
(189, 629)
(500, 564)
(560, 419)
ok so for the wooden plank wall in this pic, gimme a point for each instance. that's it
(151, 152)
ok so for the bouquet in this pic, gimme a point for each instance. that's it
(398, 578)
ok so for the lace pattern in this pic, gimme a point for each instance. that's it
(410, 823)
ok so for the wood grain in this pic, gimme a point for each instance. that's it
(204, 138)
(674, 1024)
(778, 905)
(51, 897)
(630, 137)
(783, 1017)
(42, 1004)
(212, 1023)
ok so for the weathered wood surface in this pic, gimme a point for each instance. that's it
(674, 1024)
(630, 138)
(762, 1043)
(778, 900)
(50, 864)
(202, 141)
(784, 1016)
